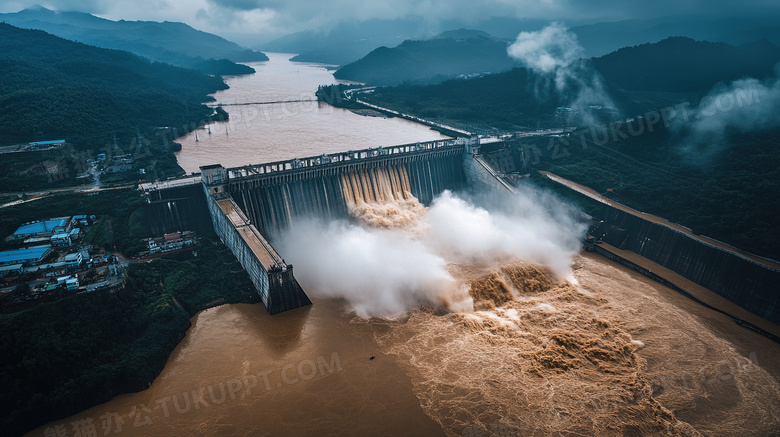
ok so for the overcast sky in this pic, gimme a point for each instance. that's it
(264, 19)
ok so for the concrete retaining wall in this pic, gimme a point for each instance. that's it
(229, 235)
(272, 277)
(747, 283)
(481, 177)
(176, 209)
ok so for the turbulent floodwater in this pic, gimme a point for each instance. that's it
(302, 127)
(606, 352)
(616, 355)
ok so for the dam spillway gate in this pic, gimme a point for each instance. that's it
(250, 204)
(273, 195)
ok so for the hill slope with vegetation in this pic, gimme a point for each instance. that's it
(173, 43)
(86, 96)
(450, 54)
(721, 186)
(683, 65)
(638, 79)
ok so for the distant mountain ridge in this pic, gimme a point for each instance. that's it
(450, 54)
(599, 39)
(171, 42)
(348, 42)
(639, 78)
(681, 64)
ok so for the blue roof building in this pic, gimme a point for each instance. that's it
(47, 143)
(30, 256)
(42, 228)
(11, 269)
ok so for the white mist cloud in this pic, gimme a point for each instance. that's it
(378, 271)
(746, 104)
(548, 50)
(555, 55)
(535, 229)
(390, 271)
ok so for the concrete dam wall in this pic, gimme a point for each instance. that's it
(245, 205)
(274, 201)
(749, 284)
(176, 209)
(272, 277)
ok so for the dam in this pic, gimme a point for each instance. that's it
(249, 205)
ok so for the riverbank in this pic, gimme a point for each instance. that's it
(84, 349)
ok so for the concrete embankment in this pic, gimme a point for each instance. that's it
(744, 279)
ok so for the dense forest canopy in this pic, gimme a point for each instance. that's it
(64, 88)
(170, 42)
(87, 96)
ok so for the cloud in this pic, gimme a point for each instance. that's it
(555, 55)
(743, 105)
(279, 17)
(246, 5)
(92, 6)
(550, 50)
(378, 271)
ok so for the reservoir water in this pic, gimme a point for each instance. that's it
(610, 353)
(259, 131)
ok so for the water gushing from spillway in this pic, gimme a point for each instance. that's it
(275, 207)
(382, 197)
(520, 348)
(395, 252)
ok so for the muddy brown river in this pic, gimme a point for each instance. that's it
(616, 355)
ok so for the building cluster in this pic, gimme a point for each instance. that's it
(169, 242)
(115, 163)
(48, 255)
(59, 232)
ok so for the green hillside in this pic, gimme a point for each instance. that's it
(450, 55)
(170, 42)
(86, 95)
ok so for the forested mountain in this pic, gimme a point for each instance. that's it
(174, 43)
(676, 64)
(599, 39)
(347, 42)
(638, 79)
(683, 65)
(719, 182)
(86, 95)
(460, 52)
